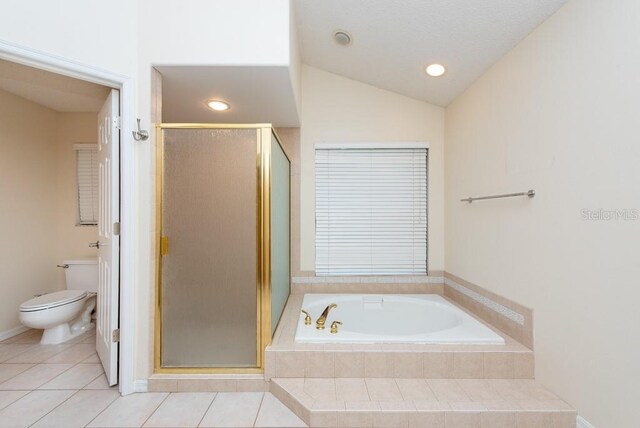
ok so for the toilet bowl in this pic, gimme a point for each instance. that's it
(65, 314)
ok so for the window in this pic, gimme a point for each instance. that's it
(371, 209)
(87, 176)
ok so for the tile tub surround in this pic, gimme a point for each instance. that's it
(397, 402)
(432, 284)
(506, 315)
(286, 358)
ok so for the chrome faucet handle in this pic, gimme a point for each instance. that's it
(334, 326)
(307, 318)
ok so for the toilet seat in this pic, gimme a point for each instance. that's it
(52, 300)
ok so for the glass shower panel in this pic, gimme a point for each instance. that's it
(208, 270)
(280, 173)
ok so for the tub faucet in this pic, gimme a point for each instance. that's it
(323, 318)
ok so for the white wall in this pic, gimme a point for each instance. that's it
(27, 190)
(559, 114)
(337, 109)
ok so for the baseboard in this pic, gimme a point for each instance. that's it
(12, 332)
(582, 423)
(140, 385)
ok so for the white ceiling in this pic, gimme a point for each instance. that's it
(394, 39)
(54, 91)
(257, 94)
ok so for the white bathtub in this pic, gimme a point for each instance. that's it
(392, 318)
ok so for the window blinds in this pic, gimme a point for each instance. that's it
(371, 211)
(87, 176)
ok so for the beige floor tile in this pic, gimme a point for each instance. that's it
(75, 354)
(76, 377)
(100, 383)
(320, 389)
(29, 336)
(478, 389)
(383, 389)
(275, 414)
(31, 407)
(130, 411)
(447, 390)
(235, 409)
(38, 353)
(182, 409)
(351, 389)
(35, 377)
(78, 410)
(415, 389)
(7, 371)
(8, 351)
(92, 359)
(8, 397)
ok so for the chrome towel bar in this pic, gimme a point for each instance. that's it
(529, 193)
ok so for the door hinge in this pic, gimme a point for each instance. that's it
(115, 335)
(116, 122)
(116, 228)
(164, 245)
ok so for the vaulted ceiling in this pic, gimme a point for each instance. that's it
(393, 40)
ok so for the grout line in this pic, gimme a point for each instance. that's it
(156, 409)
(22, 390)
(215, 395)
(259, 408)
(64, 401)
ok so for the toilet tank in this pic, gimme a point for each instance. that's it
(82, 274)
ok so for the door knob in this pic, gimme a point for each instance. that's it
(94, 244)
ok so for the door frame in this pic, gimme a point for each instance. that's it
(126, 86)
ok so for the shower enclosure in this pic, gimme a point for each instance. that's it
(223, 246)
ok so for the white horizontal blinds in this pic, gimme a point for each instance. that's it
(87, 176)
(371, 211)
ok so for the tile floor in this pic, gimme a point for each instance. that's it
(64, 386)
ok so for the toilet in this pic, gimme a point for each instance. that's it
(65, 314)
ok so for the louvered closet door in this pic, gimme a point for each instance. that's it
(371, 211)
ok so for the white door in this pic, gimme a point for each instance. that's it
(108, 241)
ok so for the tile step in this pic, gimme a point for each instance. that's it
(412, 403)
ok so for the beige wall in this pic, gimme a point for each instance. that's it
(37, 221)
(559, 114)
(73, 241)
(337, 109)
(27, 191)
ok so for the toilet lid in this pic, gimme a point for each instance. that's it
(52, 300)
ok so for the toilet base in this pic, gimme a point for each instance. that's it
(62, 333)
(67, 331)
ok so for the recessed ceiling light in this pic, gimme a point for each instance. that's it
(342, 37)
(218, 105)
(435, 70)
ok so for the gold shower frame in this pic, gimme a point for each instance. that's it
(264, 131)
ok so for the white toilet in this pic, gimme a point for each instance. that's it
(65, 314)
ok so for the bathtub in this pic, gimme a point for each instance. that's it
(392, 318)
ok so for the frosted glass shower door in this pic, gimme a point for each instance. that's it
(280, 272)
(208, 288)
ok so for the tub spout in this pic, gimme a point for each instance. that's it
(323, 318)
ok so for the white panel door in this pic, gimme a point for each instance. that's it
(108, 241)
